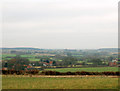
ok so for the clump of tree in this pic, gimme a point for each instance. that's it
(69, 60)
(17, 63)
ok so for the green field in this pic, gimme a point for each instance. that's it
(30, 57)
(59, 83)
(4, 56)
(89, 69)
(33, 59)
(10, 55)
(27, 56)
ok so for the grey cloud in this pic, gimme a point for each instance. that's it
(60, 23)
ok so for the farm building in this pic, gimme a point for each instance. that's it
(48, 64)
(113, 63)
(33, 68)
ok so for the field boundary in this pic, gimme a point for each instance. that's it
(59, 76)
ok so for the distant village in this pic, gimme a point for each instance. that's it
(49, 64)
(32, 58)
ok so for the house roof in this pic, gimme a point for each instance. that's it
(48, 63)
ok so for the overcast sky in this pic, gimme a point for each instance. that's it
(74, 24)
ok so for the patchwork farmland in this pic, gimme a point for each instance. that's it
(59, 69)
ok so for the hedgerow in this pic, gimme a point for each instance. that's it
(36, 72)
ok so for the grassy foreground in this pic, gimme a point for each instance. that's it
(89, 69)
(59, 83)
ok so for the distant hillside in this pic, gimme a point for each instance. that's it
(69, 50)
(109, 49)
(21, 48)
